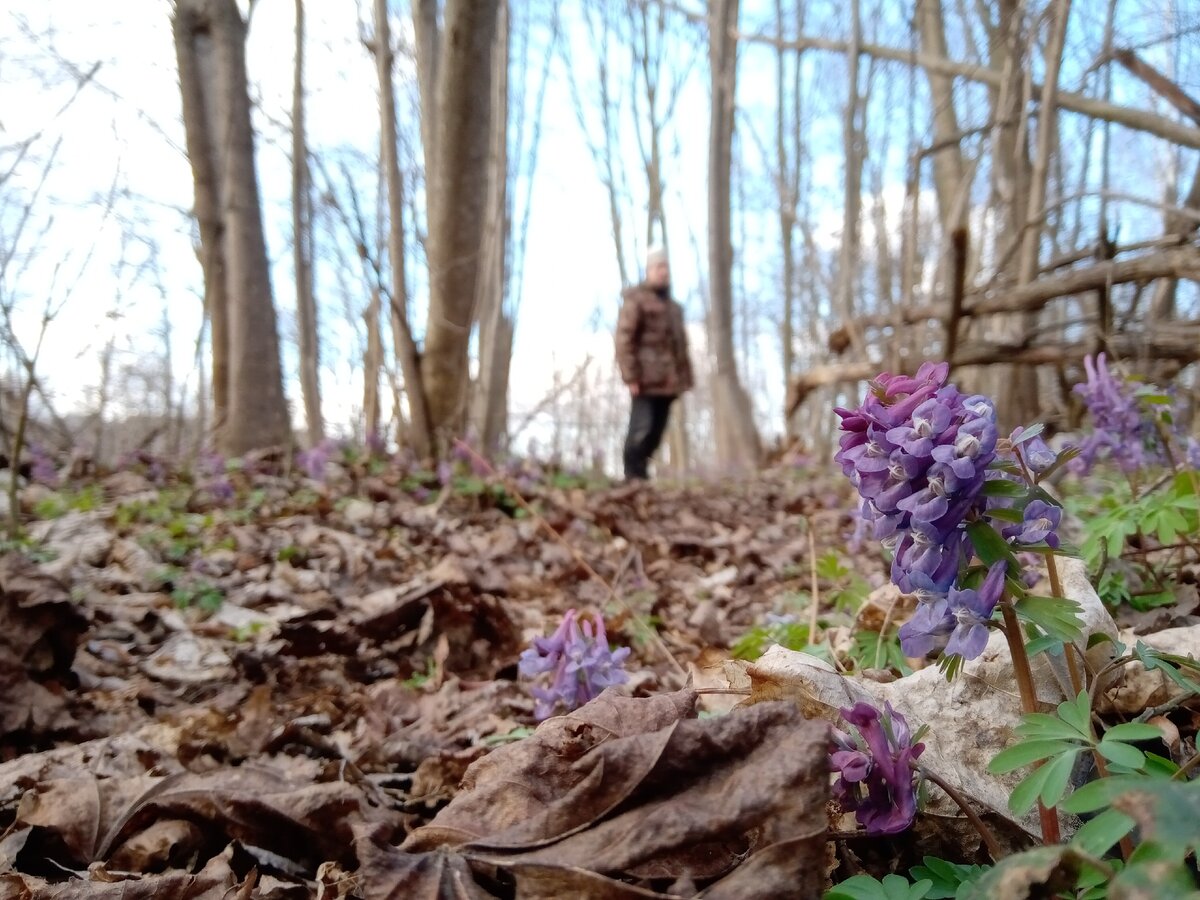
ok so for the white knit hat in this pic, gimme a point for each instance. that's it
(655, 254)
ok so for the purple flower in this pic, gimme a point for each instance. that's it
(1120, 428)
(972, 609)
(918, 452)
(581, 661)
(314, 460)
(1034, 451)
(42, 468)
(1038, 525)
(927, 629)
(875, 777)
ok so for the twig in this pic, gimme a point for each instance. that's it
(816, 589)
(989, 837)
(575, 554)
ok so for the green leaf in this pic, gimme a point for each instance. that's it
(1044, 644)
(864, 887)
(1133, 731)
(1044, 726)
(1167, 811)
(1029, 431)
(1154, 880)
(1002, 487)
(989, 545)
(1026, 753)
(1059, 617)
(1100, 793)
(1099, 835)
(1025, 794)
(1077, 713)
(1034, 873)
(1058, 776)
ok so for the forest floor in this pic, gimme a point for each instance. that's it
(261, 684)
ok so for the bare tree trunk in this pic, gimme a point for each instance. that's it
(456, 199)
(302, 245)
(427, 35)
(737, 437)
(853, 150)
(490, 399)
(372, 365)
(420, 435)
(947, 159)
(210, 44)
(1047, 139)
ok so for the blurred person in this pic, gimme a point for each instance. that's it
(652, 354)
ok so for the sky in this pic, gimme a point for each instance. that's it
(110, 245)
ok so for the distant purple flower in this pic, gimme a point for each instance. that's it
(42, 468)
(581, 661)
(445, 472)
(315, 459)
(376, 443)
(1120, 427)
(875, 777)
(220, 489)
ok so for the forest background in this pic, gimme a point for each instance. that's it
(843, 187)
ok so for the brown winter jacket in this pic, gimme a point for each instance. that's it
(652, 349)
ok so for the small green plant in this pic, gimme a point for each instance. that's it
(891, 887)
(199, 594)
(782, 630)
(851, 590)
(246, 632)
(418, 679)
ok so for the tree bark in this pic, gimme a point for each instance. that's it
(737, 437)
(947, 160)
(210, 45)
(420, 433)
(490, 399)
(455, 201)
(302, 247)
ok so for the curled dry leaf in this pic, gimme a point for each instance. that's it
(634, 787)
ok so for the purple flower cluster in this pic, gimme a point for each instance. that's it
(875, 776)
(211, 465)
(42, 468)
(314, 460)
(917, 450)
(581, 660)
(1120, 425)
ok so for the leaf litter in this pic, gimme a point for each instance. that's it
(313, 692)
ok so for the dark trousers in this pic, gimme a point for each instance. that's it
(647, 422)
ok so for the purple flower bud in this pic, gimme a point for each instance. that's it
(875, 774)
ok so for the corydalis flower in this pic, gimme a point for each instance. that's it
(918, 452)
(581, 661)
(1120, 426)
(875, 777)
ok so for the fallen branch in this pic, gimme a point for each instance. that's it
(1179, 344)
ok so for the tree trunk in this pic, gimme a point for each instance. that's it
(947, 159)
(420, 433)
(490, 400)
(737, 437)
(455, 200)
(372, 366)
(302, 245)
(427, 38)
(210, 45)
(853, 151)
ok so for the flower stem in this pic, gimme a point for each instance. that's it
(989, 837)
(1029, 703)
